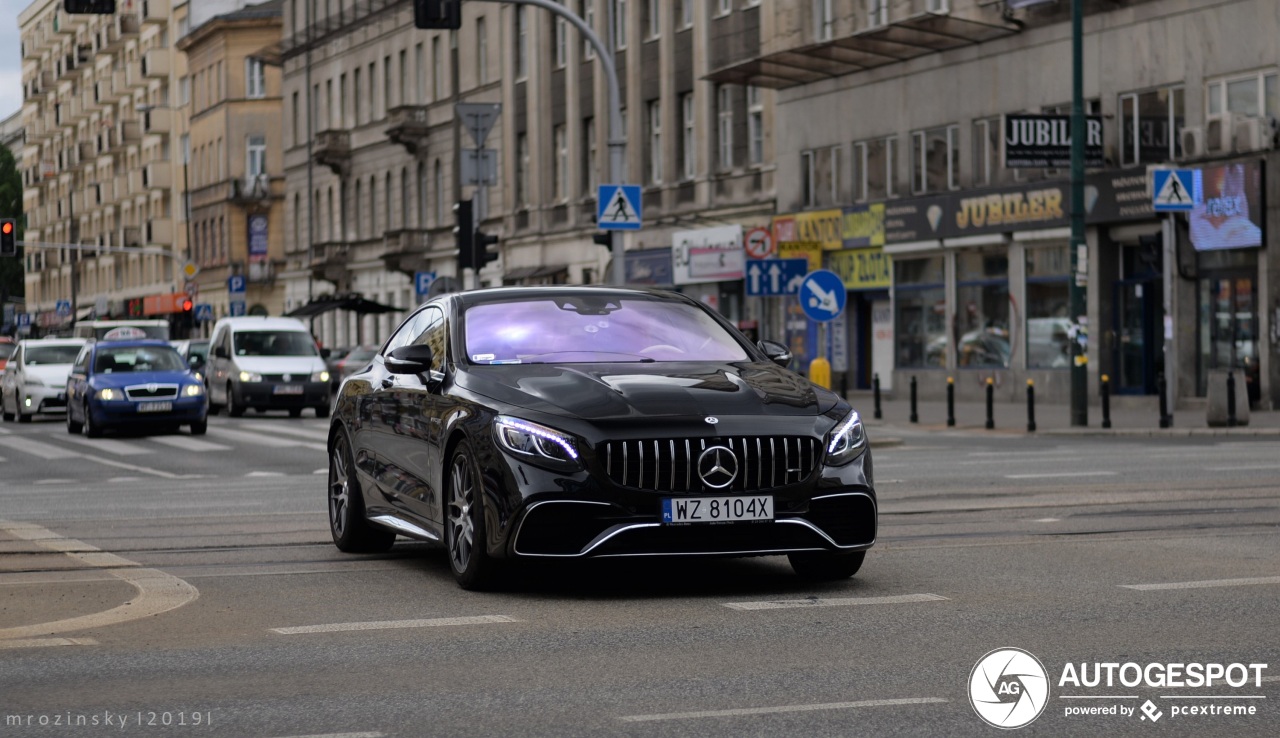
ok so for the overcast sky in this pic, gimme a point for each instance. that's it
(10, 57)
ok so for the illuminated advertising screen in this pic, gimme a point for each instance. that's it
(1229, 212)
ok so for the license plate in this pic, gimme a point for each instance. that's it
(676, 510)
(288, 389)
(155, 407)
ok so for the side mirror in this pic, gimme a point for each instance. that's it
(195, 362)
(221, 353)
(777, 353)
(326, 353)
(415, 359)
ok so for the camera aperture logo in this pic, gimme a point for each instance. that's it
(1008, 688)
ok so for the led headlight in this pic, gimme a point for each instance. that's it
(250, 377)
(320, 377)
(193, 390)
(537, 444)
(847, 440)
(109, 394)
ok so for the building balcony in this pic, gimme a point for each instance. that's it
(333, 149)
(155, 11)
(130, 236)
(159, 232)
(155, 64)
(157, 121)
(329, 263)
(66, 23)
(87, 150)
(251, 191)
(134, 78)
(128, 25)
(407, 126)
(127, 132)
(407, 251)
(120, 188)
(104, 192)
(158, 175)
(47, 81)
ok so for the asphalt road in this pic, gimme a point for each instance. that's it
(156, 578)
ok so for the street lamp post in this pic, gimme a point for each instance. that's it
(1079, 249)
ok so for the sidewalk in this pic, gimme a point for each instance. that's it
(1127, 419)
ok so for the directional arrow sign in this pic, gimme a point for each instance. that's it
(478, 118)
(822, 295)
(772, 277)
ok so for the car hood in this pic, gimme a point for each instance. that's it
(280, 364)
(50, 374)
(614, 391)
(129, 379)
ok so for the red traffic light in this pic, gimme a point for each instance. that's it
(187, 305)
(7, 228)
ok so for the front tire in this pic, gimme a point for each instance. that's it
(234, 407)
(91, 429)
(200, 428)
(352, 533)
(464, 530)
(322, 411)
(295, 412)
(4, 410)
(72, 426)
(23, 417)
(826, 566)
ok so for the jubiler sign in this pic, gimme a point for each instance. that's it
(1037, 141)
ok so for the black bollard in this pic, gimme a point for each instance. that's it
(915, 417)
(1106, 401)
(875, 385)
(1231, 399)
(951, 401)
(991, 403)
(1165, 420)
(1031, 406)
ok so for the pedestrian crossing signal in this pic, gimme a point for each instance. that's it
(8, 237)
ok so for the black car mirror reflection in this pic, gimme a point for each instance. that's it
(414, 359)
(777, 353)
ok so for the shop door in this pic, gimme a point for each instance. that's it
(1139, 341)
(1228, 327)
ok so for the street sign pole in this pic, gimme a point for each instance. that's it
(1079, 369)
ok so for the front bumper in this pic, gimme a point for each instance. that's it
(284, 395)
(33, 399)
(125, 412)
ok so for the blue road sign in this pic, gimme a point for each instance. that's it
(64, 308)
(1174, 190)
(422, 283)
(24, 320)
(236, 285)
(772, 277)
(618, 207)
(237, 307)
(204, 312)
(822, 295)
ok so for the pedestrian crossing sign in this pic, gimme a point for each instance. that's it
(618, 207)
(1174, 190)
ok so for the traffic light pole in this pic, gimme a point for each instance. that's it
(1079, 248)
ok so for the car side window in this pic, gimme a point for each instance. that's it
(408, 331)
(82, 361)
(433, 333)
(17, 357)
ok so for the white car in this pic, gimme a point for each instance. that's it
(35, 381)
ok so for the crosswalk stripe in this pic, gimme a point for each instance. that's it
(187, 443)
(259, 439)
(115, 448)
(43, 450)
(319, 436)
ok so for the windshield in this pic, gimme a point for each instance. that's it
(198, 350)
(7, 349)
(37, 355)
(275, 343)
(595, 329)
(138, 359)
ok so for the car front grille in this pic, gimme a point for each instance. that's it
(671, 464)
(151, 392)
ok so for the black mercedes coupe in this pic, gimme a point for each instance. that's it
(573, 422)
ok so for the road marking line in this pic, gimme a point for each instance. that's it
(44, 451)
(1251, 467)
(54, 481)
(158, 592)
(132, 467)
(187, 443)
(1270, 679)
(1006, 454)
(1206, 583)
(393, 624)
(1064, 474)
(319, 436)
(834, 602)
(784, 708)
(1037, 460)
(44, 642)
(258, 439)
(115, 448)
(338, 735)
(317, 471)
(117, 480)
(264, 474)
(1047, 520)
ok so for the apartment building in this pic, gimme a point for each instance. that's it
(891, 164)
(373, 166)
(234, 159)
(100, 167)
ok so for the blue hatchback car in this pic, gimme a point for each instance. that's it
(127, 383)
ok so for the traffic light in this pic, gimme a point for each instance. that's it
(188, 321)
(480, 253)
(602, 238)
(188, 305)
(464, 234)
(89, 7)
(8, 237)
(438, 14)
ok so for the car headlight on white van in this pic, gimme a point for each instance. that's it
(847, 440)
(250, 377)
(320, 377)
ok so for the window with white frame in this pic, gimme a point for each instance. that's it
(440, 191)
(655, 141)
(688, 145)
(256, 159)
(589, 175)
(653, 11)
(937, 6)
(587, 12)
(874, 168)
(522, 170)
(1149, 126)
(820, 177)
(724, 127)
(560, 164)
(824, 20)
(724, 7)
(755, 126)
(184, 91)
(1250, 95)
(437, 69)
(255, 78)
(935, 159)
(560, 42)
(404, 82)
(686, 13)
(482, 51)
(877, 13)
(522, 43)
(986, 151)
(420, 69)
(620, 24)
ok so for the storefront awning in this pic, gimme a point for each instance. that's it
(926, 33)
(354, 303)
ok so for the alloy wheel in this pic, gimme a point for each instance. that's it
(339, 488)
(462, 499)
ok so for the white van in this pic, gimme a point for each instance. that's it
(266, 364)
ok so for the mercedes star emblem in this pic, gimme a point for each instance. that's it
(712, 419)
(718, 467)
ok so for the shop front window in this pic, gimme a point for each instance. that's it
(1048, 308)
(982, 309)
(920, 313)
